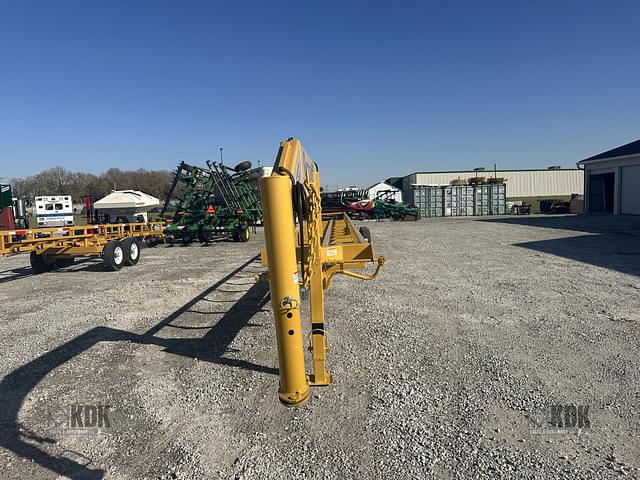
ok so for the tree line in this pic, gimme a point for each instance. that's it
(60, 181)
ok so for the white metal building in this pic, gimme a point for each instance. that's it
(612, 181)
(520, 183)
(374, 190)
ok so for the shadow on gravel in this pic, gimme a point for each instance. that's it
(15, 387)
(14, 274)
(612, 243)
(588, 223)
(81, 265)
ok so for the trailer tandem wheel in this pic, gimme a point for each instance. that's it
(64, 262)
(131, 250)
(113, 255)
(38, 264)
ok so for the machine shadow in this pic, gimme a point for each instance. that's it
(611, 242)
(588, 223)
(14, 274)
(216, 342)
(17, 385)
(81, 265)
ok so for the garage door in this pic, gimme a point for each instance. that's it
(630, 190)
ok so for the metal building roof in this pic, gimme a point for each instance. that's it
(487, 171)
(632, 148)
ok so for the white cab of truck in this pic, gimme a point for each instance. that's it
(56, 211)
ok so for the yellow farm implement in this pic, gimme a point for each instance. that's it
(306, 257)
(117, 244)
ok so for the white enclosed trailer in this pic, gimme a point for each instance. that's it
(54, 211)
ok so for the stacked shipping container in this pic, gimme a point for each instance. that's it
(460, 200)
(429, 201)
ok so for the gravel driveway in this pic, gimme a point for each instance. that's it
(454, 363)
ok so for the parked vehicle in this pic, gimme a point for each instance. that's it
(54, 211)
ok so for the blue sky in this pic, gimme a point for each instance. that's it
(373, 89)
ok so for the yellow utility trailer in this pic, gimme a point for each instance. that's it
(49, 248)
(306, 258)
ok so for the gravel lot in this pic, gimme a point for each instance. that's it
(445, 366)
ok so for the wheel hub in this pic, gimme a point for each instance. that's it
(133, 251)
(118, 255)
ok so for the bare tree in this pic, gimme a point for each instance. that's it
(59, 181)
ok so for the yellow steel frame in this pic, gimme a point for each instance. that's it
(85, 240)
(331, 246)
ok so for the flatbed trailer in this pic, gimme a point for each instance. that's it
(54, 247)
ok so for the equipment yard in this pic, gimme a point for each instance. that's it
(446, 366)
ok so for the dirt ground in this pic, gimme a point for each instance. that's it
(454, 363)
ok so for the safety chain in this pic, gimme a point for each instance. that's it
(315, 212)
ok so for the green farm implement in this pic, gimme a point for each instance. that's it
(211, 203)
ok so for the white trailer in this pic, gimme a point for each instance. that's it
(54, 211)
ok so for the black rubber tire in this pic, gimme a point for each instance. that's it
(187, 238)
(366, 233)
(113, 256)
(169, 239)
(151, 242)
(204, 237)
(131, 249)
(38, 265)
(244, 234)
(64, 262)
(242, 166)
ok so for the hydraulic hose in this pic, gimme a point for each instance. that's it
(300, 209)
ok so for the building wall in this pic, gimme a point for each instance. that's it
(614, 165)
(381, 187)
(520, 183)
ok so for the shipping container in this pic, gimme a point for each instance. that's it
(429, 200)
(460, 200)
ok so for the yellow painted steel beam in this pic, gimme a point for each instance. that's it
(330, 245)
(354, 255)
(318, 341)
(277, 208)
